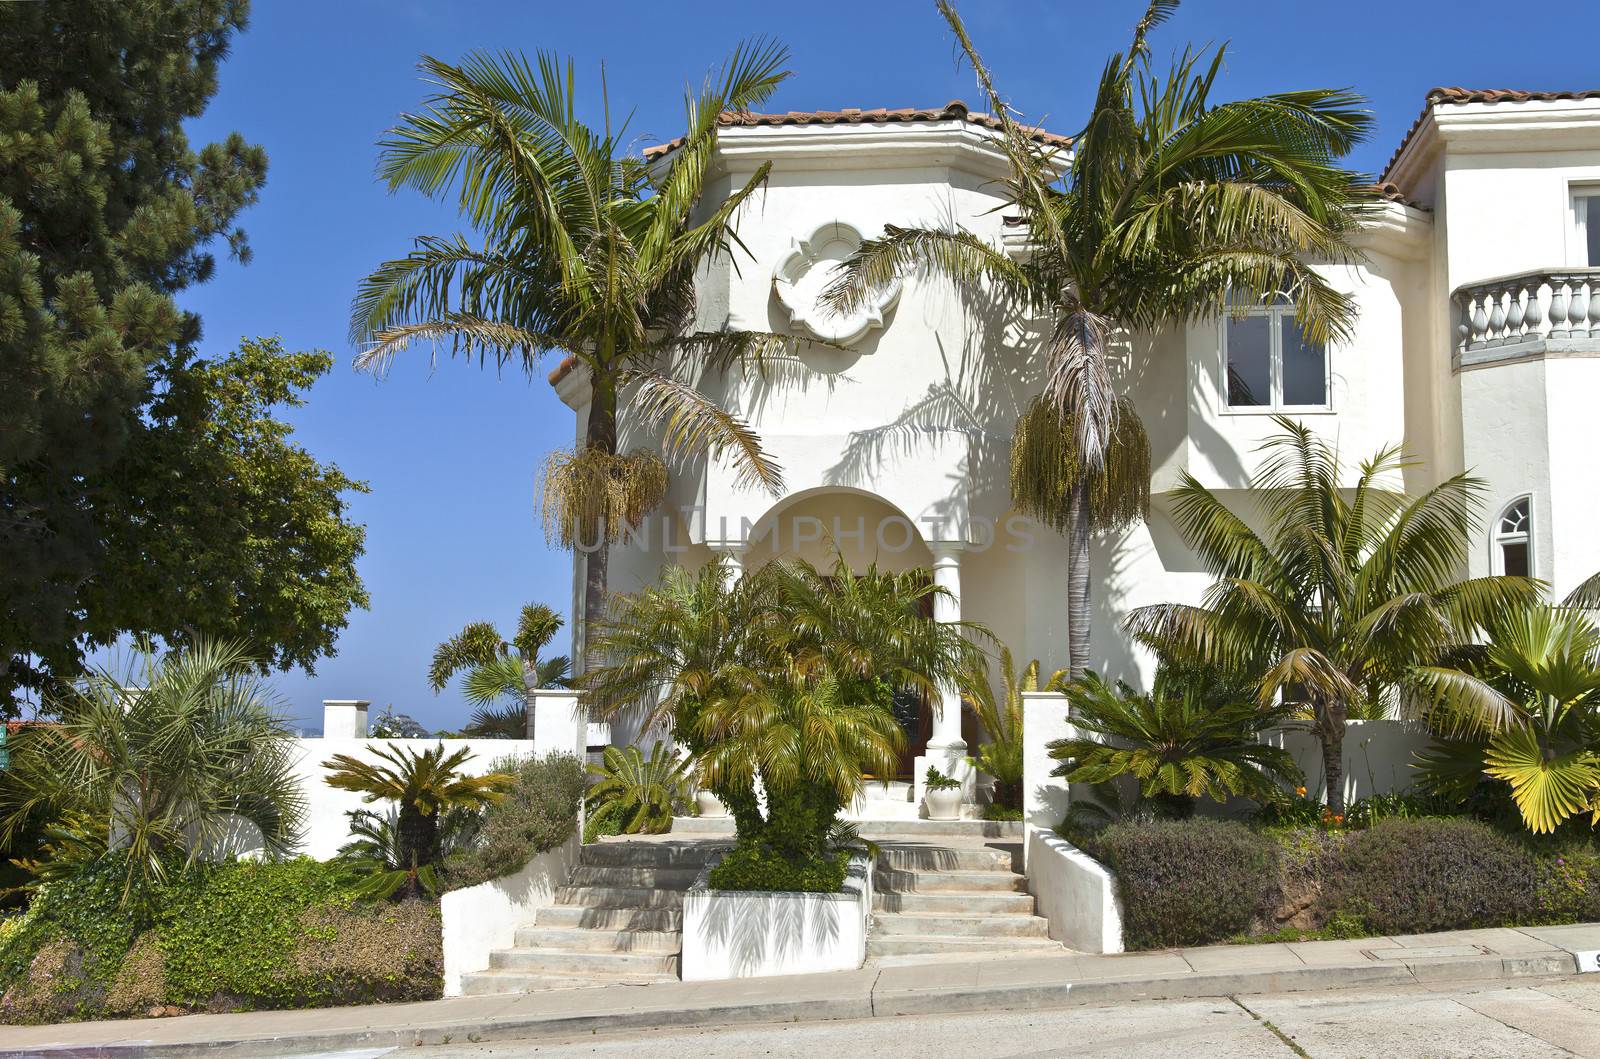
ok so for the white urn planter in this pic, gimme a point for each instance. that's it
(943, 805)
(708, 804)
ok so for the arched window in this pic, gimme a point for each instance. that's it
(1513, 540)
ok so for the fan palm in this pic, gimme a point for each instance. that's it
(498, 668)
(1167, 202)
(585, 250)
(1181, 742)
(1524, 709)
(639, 793)
(1343, 596)
(785, 675)
(174, 752)
(424, 785)
(1000, 755)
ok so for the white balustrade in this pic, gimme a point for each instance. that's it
(1529, 307)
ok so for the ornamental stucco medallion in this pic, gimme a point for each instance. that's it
(808, 268)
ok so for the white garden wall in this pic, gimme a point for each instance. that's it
(480, 919)
(1075, 893)
(1378, 756)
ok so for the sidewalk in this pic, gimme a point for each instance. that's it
(1042, 982)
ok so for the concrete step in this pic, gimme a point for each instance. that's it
(613, 964)
(651, 878)
(890, 830)
(618, 897)
(702, 825)
(924, 857)
(911, 944)
(953, 904)
(892, 880)
(999, 926)
(495, 982)
(670, 919)
(614, 852)
(588, 939)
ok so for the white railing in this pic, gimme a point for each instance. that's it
(1528, 308)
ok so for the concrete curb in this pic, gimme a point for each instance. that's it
(877, 1002)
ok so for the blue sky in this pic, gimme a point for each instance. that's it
(451, 451)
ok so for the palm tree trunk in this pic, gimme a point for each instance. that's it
(601, 433)
(1078, 580)
(530, 684)
(1330, 732)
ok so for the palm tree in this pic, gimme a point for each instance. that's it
(498, 668)
(1001, 753)
(635, 792)
(587, 251)
(1167, 202)
(1183, 741)
(161, 762)
(786, 675)
(377, 851)
(1523, 709)
(425, 786)
(1345, 594)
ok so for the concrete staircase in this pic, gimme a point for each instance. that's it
(952, 896)
(618, 919)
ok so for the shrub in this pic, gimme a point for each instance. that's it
(538, 813)
(759, 868)
(365, 954)
(1189, 882)
(1409, 876)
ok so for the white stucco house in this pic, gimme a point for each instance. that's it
(1478, 347)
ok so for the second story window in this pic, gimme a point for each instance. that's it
(1270, 363)
(1586, 225)
(1513, 548)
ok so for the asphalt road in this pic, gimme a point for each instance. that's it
(1502, 1020)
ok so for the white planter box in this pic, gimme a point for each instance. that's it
(754, 934)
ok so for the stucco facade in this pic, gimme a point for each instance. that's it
(896, 448)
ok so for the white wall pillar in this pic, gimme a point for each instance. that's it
(1044, 797)
(731, 558)
(947, 751)
(344, 718)
(560, 722)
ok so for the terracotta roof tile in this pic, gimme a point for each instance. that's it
(562, 370)
(952, 111)
(1457, 94)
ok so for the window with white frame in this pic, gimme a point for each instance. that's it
(1513, 540)
(1269, 362)
(1586, 225)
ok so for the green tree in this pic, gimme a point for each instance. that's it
(498, 668)
(1167, 202)
(425, 787)
(1522, 709)
(117, 514)
(174, 752)
(786, 675)
(1346, 593)
(579, 248)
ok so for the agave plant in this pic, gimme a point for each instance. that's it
(425, 786)
(1179, 742)
(635, 792)
(1524, 710)
(1001, 755)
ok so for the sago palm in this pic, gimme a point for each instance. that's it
(1000, 755)
(638, 793)
(1341, 595)
(579, 248)
(498, 668)
(377, 853)
(424, 786)
(166, 757)
(1167, 201)
(1523, 709)
(1180, 742)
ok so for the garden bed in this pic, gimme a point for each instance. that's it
(1200, 881)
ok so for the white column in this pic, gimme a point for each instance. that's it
(731, 559)
(946, 739)
(560, 722)
(344, 718)
(1044, 797)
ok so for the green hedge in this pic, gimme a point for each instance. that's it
(218, 937)
(1200, 881)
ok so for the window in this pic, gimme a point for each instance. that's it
(1513, 541)
(1586, 242)
(1270, 362)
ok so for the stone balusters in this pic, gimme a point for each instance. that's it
(1526, 307)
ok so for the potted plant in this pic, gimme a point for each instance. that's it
(943, 796)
